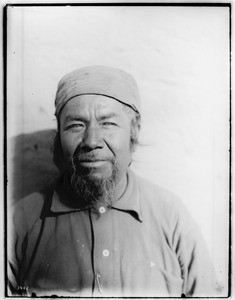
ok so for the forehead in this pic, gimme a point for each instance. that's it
(97, 104)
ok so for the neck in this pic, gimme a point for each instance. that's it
(121, 187)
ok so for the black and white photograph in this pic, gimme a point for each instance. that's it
(117, 150)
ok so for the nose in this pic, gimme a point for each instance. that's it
(92, 139)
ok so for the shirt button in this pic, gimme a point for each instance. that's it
(102, 210)
(106, 252)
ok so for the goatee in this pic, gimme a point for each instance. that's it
(91, 189)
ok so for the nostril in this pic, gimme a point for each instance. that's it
(92, 139)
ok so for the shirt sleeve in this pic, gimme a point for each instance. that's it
(17, 234)
(21, 219)
(196, 267)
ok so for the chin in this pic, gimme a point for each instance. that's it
(102, 172)
(99, 175)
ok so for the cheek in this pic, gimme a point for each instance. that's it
(69, 144)
(123, 153)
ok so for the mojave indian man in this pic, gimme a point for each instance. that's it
(103, 231)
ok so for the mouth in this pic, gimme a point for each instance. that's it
(92, 163)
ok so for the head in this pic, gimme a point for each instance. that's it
(97, 134)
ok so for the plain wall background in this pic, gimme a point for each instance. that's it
(180, 59)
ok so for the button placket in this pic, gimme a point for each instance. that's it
(103, 267)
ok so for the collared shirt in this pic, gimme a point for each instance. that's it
(145, 245)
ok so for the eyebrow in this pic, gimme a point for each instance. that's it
(108, 116)
(74, 118)
(81, 118)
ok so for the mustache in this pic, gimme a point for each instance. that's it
(89, 157)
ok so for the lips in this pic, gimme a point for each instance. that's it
(90, 160)
(92, 163)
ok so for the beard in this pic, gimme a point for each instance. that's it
(90, 188)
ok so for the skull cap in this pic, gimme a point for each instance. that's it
(98, 80)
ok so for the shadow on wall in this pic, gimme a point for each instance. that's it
(33, 166)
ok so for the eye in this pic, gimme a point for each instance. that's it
(108, 124)
(74, 126)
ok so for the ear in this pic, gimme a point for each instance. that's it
(135, 131)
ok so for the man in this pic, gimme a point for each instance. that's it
(102, 231)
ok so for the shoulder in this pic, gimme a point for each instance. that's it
(163, 206)
(157, 196)
(30, 202)
(27, 211)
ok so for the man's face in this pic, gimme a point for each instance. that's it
(95, 131)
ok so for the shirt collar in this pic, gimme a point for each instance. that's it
(129, 202)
